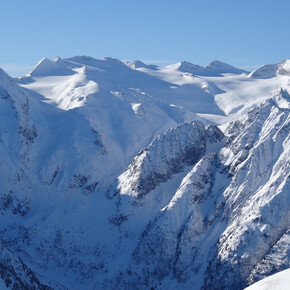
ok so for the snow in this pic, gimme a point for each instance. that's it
(278, 281)
(138, 109)
(208, 94)
(105, 166)
(272, 70)
(46, 67)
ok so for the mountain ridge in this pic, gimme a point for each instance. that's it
(110, 182)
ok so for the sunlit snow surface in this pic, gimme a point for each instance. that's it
(217, 93)
(130, 103)
(103, 188)
(279, 281)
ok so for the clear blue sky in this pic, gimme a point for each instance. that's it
(244, 33)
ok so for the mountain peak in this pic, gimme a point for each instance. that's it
(47, 67)
(57, 59)
(186, 66)
(112, 59)
(269, 71)
(215, 68)
(218, 63)
(134, 64)
(219, 67)
(284, 68)
(196, 208)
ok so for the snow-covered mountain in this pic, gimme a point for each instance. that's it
(14, 273)
(272, 70)
(123, 175)
(279, 281)
(215, 68)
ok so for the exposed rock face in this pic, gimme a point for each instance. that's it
(197, 208)
(15, 274)
(167, 155)
(257, 197)
(228, 222)
(185, 222)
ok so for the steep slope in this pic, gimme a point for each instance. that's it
(169, 154)
(15, 274)
(193, 209)
(216, 93)
(258, 196)
(122, 104)
(17, 136)
(272, 70)
(46, 67)
(41, 140)
(229, 211)
(174, 245)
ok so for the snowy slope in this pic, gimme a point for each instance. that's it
(272, 70)
(258, 195)
(14, 274)
(114, 99)
(215, 68)
(279, 281)
(231, 89)
(180, 90)
(112, 178)
(216, 93)
(168, 154)
(219, 223)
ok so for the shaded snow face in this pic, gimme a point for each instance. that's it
(15, 274)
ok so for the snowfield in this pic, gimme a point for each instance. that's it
(279, 281)
(126, 175)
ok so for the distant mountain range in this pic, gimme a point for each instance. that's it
(126, 175)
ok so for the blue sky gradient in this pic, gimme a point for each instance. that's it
(243, 33)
